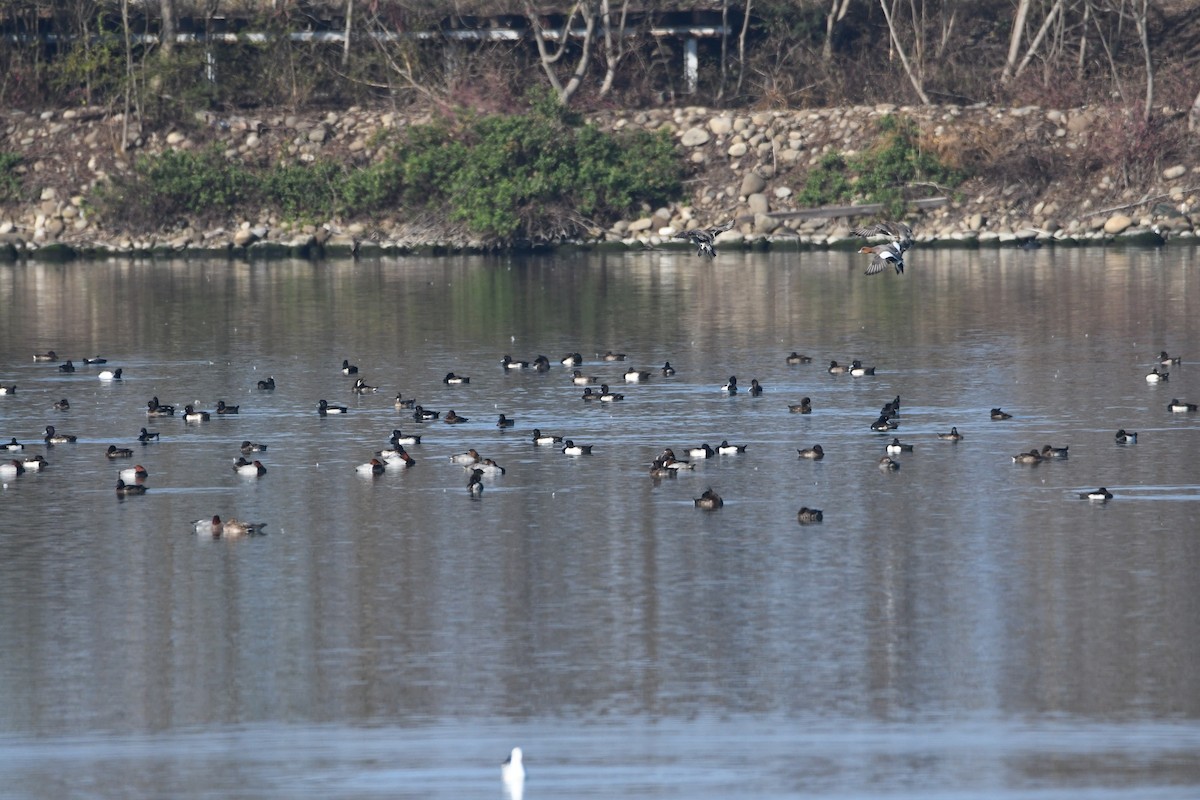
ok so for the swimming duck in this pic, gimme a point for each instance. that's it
(8, 389)
(731, 387)
(348, 368)
(1167, 360)
(362, 387)
(399, 438)
(796, 358)
(455, 380)
(611, 356)
(234, 528)
(756, 388)
(488, 467)
(268, 385)
(124, 488)
(884, 424)
(571, 360)
(224, 409)
(952, 436)
(999, 415)
(505, 422)
(1154, 376)
(703, 451)
(814, 453)
(248, 446)
(579, 379)
(508, 363)
(890, 253)
(896, 447)
(1177, 406)
(454, 419)
(704, 238)
(244, 467)
(1126, 437)
(96, 360)
(372, 467)
(709, 501)
(544, 440)
(858, 370)
(541, 364)
(14, 445)
(475, 484)
(34, 463)
(156, 409)
(1032, 457)
(572, 449)
(67, 367)
(888, 464)
(49, 355)
(397, 457)
(890, 409)
(837, 369)
(636, 375)
(803, 407)
(422, 414)
(53, 437)
(1101, 494)
(667, 370)
(807, 516)
(110, 375)
(192, 415)
(118, 452)
(727, 449)
(588, 394)
(62, 405)
(469, 457)
(11, 468)
(659, 469)
(609, 397)
(668, 460)
(1050, 451)
(400, 402)
(324, 409)
(135, 473)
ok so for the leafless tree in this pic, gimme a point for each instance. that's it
(549, 58)
(837, 12)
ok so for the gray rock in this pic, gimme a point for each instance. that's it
(752, 183)
(1177, 171)
(1117, 223)
(758, 203)
(694, 137)
(737, 149)
(720, 126)
(639, 225)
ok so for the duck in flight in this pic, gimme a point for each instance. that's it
(703, 238)
(889, 253)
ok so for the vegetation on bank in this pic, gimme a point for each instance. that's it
(881, 174)
(538, 175)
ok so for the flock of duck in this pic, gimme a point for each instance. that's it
(132, 481)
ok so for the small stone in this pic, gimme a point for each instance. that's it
(49, 193)
(1177, 171)
(737, 149)
(694, 137)
(752, 183)
(1117, 223)
(758, 203)
(175, 138)
(720, 125)
(638, 225)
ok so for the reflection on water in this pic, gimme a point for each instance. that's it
(965, 622)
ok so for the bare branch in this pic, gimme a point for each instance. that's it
(908, 70)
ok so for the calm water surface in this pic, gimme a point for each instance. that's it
(963, 627)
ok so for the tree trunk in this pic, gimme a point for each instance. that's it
(548, 58)
(1014, 43)
(349, 25)
(1143, 24)
(908, 70)
(170, 28)
(837, 11)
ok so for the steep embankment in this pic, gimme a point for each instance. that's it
(1063, 175)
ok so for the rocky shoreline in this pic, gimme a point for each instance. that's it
(748, 165)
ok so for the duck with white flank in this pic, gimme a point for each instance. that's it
(704, 238)
(362, 387)
(324, 409)
(889, 253)
(709, 501)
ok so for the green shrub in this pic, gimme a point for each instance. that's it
(10, 179)
(505, 177)
(881, 174)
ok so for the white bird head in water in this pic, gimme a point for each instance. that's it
(512, 771)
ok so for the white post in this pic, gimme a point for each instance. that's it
(691, 65)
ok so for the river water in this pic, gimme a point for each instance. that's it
(961, 627)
